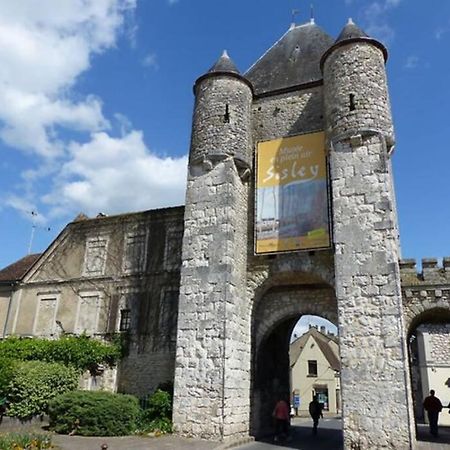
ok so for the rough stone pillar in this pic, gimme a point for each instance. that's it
(212, 374)
(377, 412)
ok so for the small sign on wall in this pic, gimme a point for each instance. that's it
(292, 195)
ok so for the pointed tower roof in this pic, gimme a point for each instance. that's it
(224, 64)
(351, 33)
(291, 61)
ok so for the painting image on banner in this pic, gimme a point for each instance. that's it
(292, 196)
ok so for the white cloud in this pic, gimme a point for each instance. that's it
(150, 61)
(43, 51)
(411, 62)
(441, 31)
(115, 175)
(375, 20)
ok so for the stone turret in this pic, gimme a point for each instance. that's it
(359, 134)
(355, 86)
(222, 116)
(211, 381)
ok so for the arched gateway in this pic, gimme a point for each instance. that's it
(290, 210)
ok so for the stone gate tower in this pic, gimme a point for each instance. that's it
(233, 301)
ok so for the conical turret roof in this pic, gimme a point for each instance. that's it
(352, 33)
(224, 64)
(293, 60)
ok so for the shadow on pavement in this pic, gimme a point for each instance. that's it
(302, 438)
(423, 434)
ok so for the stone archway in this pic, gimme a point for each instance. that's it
(427, 322)
(274, 316)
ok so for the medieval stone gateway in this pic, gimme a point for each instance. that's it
(209, 293)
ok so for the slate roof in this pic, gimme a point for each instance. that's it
(323, 341)
(293, 60)
(224, 64)
(352, 33)
(16, 270)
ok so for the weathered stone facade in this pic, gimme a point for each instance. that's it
(100, 275)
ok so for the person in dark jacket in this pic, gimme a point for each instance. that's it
(433, 407)
(315, 411)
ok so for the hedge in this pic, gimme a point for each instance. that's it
(81, 352)
(35, 383)
(94, 413)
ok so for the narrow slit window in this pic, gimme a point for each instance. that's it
(352, 102)
(226, 116)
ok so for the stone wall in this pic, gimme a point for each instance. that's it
(425, 294)
(212, 378)
(376, 395)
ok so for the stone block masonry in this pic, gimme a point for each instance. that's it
(376, 393)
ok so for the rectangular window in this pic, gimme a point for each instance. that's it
(312, 368)
(172, 251)
(95, 256)
(125, 320)
(45, 321)
(168, 313)
(88, 314)
(135, 252)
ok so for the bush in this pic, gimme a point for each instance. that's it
(97, 413)
(7, 368)
(81, 352)
(29, 441)
(157, 416)
(35, 383)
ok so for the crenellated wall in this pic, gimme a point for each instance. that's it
(426, 294)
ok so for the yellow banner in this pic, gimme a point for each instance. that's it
(292, 195)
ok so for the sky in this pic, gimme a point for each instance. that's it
(96, 103)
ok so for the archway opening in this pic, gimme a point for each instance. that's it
(296, 359)
(429, 358)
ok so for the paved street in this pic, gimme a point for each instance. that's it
(329, 436)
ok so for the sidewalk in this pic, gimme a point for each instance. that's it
(64, 442)
(167, 442)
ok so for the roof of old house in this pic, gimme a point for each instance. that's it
(293, 60)
(16, 270)
(323, 341)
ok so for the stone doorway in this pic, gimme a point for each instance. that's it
(429, 359)
(274, 317)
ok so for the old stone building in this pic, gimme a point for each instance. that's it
(290, 210)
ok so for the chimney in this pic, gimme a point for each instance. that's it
(323, 329)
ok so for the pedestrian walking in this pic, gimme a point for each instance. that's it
(433, 407)
(281, 417)
(315, 410)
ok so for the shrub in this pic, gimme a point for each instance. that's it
(157, 416)
(81, 352)
(35, 383)
(29, 441)
(94, 413)
(6, 375)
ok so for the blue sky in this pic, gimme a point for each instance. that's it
(96, 103)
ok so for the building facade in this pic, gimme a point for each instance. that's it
(315, 371)
(204, 307)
